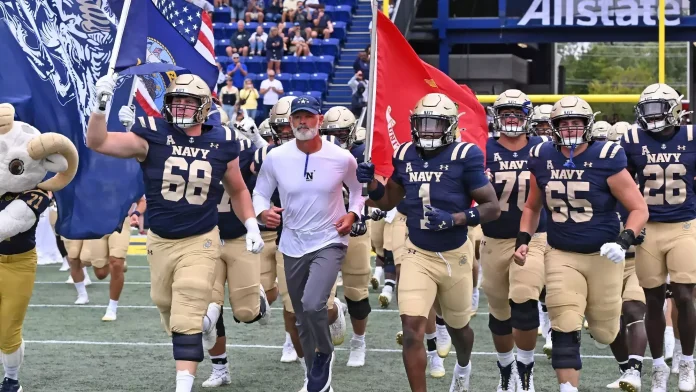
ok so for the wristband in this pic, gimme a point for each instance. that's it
(626, 239)
(136, 213)
(377, 193)
(473, 218)
(522, 239)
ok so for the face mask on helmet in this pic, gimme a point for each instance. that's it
(511, 121)
(282, 133)
(430, 133)
(344, 135)
(182, 110)
(571, 131)
(655, 115)
(541, 128)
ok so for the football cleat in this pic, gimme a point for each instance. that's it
(443, 341)
(65, 266)
(676, 358)
(82, 300)
(400, 338)
(437, 365)
(374, 281)
(10, 385)
(686, 376)
(660, 376)
(289, 353)
(585, 324)
(338, 328)
(384, 299)
(508, 378)
(110, 315)
(525, 377)
(218, 377)
(460, 382)
(548, 346)
(630, 381)
(210, 334)
(266, 318)
(357, 353)
(615, 384)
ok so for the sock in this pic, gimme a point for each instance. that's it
(677, 346)
(389, 285)
(113, 305)
(431, 341)
(439, 320)
(669, 331)
(219, 361)
(635, 362)
(657, 362)
(687, 358)
(506, 359)
(360, 338)
(81, 289)
(524, 356)
(184, 381)
(12, 362)
(566, 387)
(288, 339)
(379, 273)
(461, 370)
(623, 366)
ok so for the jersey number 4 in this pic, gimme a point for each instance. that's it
(508, 178)
(675, 187)
(194, 189)
(561, 209)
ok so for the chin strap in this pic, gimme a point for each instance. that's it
(569, 163)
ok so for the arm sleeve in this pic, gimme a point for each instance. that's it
(473, 174)
(265, 185)
(356, 202)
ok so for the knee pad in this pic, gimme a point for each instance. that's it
(525, 316)
(220, 326)
(389, 266)
(498, 327)
(359, 310)
(566, 350)
(262, 312)
(188, 347)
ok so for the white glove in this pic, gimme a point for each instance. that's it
(126, 115)
(254, 242)
(105, 87)
(613, 252)
(247, 127)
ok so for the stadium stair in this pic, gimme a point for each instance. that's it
(358, 38)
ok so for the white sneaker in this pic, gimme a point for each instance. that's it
(218, 377)
(65, 266)
(357, 353)
(660, 376)
(460, 382)
(630, 381)
(548, 346)
(338, 328)
(306, 380)
(443, 341)
(686, 376)
(110, 315)
(385, 298)
(437, 365)
(289, 353)
(676, 358)
(615, 384)
(82, 299)
(210, 334)
(70, 280)
(266, 318)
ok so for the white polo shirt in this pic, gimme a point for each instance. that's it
(311, 194)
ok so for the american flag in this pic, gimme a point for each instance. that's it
(195, 26)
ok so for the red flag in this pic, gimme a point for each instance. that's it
(403, 79)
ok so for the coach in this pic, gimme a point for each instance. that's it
(309, 173)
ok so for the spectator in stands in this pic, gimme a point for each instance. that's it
(257, 42)
(272, 90)
(274, 50)
(303, 16)
(289, 10)
(254, 11)
(220, 3)
(206, 5)
(299, 45)
(358, 86)
(362, 63)
(237, 71)
(238, 9)
(274, 11)
(239, 42)
(222, 78)
(229, 95)
(312, 3)
(249, 98)
(322, 24)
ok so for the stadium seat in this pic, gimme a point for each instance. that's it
(255, 64)
(259, 78)
(285, 79)
(324, 64)
(294, 93)
(307, 64)
(319, 82)
(267, 26)
(300, 82)
(220, 46)
(223, 60)
(317, 47)
(222, 15)
(329, 47)
(331, 2)
(315, 94)
(351, 3)
(251, 27)
(289, 65)
(342, 13)
(339, 30)
(220, 30)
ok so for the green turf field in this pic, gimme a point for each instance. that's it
(69, 348)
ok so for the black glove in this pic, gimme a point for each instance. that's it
(378, 215)
(365, 172)
(359, 228)
(640, 238)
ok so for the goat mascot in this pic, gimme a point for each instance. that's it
(26, 156)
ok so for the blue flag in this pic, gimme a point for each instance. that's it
(53, 54)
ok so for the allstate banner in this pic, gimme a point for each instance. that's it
(54, 51)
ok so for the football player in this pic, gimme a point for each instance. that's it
(265, 131)
(184, 163)
(512, 290)
(20, 210)
(438, 180)
(584, 264)
(617, 131)
(600, 130)
(538, 123)
(663, 156)
(340, 123)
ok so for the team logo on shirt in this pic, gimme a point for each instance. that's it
(170, 140)
(687, 225)
(208, 243)
(463, 260)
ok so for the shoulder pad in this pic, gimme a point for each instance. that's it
(632, 135)
(689, 133)
(229, 135)
(260, 155)
(535, 151)
(244, 144)
(545, 139)
(148, 122)
(400, 152)
(609, 150)
(461, 150)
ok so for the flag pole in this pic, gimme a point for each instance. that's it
(371, 87)
(117, 47)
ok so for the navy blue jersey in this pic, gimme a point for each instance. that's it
(511, 183)
(38, 201)
(665, 169)
(183, 176)
(230, 226)
(444, 181)
(259, 157)
(581, 211)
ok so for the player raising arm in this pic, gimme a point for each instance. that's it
(183, 162)
(438, 178)
(582, 181)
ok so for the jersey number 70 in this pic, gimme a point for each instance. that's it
(508, 178)
(176, 187)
